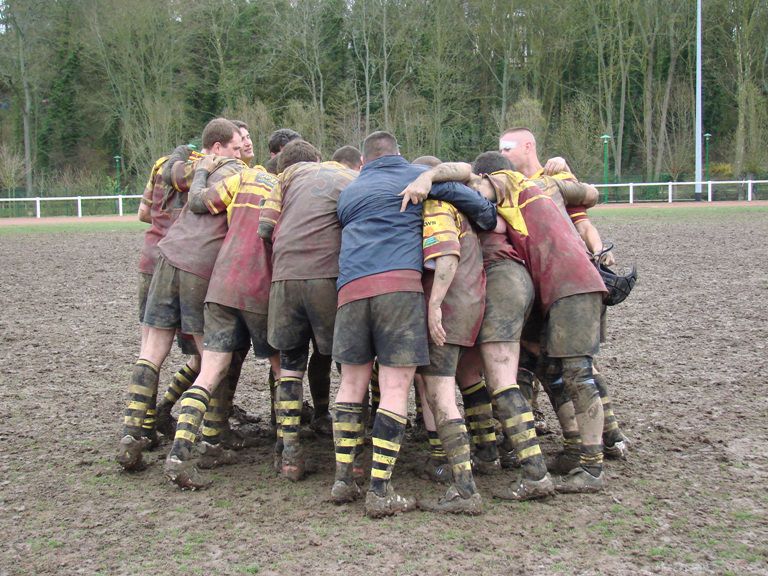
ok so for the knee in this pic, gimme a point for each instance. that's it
(295, 359)
(580, 381)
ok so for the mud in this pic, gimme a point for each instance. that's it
(685, 361)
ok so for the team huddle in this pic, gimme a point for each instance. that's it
(488, 276)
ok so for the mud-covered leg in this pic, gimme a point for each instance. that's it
(348, 443)
(462, 496)
(141, 396)
(319, 378)
(615, 443)
(180, 383)
(288, 401)
(550, 371)
(179, 467)
(478, 411)
(580, 382)
(212, 451)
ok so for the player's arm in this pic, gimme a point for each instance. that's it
(591, 238)
(418, 190)
(478, 209)
(271, 208)
(199, 191)
(445, 270)
(576, 193)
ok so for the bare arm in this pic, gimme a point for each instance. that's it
(592, 239)
(445, 270)
(417, 190)
(145, 213)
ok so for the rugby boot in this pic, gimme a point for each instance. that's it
(579, 481)
(619, 450)
(565, 460)
(236, 440)
(165, 423)
(437, 470)
(292, 465)
(129, 452)
(215, 455)
(452, 502)
(389, 504)
(343, 492)
(184, 474)
(485, 467)
(322, 425)
(524, 488)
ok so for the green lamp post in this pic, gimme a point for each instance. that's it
(605, 138)
(117, 174)
(707, 136)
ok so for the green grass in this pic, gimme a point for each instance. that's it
(58, 227)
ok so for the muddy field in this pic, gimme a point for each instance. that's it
(686, 360)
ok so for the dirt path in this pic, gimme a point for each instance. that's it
(686, 361)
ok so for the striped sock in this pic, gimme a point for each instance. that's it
(347, 437)
(180, 383)
(455, 439)
(478, 412)
(194, 403)
(517, 422)
(141, 397)
(387, 435)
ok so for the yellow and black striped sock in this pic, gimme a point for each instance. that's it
(150, 419)
(572, 441)
(271, 382)
(347, 437)
(591, 458)
(288, 397)
(479, 414)
(141, 396)
(611, 429)
(387, 435)
(517, 422)
(435, 445)
(180, 383)
(455, 439)
(194, 403)
(375, 391)
(419, 410)
(216, 416)
(231, 379)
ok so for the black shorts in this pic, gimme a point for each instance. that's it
(229, 330)
(301, 309)
(509, 297)
(391, 327)
(443, 360)
(144, 281)
(176, 299)
(573, 326)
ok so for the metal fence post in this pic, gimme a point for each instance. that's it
(749, 191)
(37, 207)
(669, 192)
(631, 193)
(709, 191)
(79, 207)
(120, 205)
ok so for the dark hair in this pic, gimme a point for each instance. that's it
(379, 144)
(430, 161)
(218, 130)
(297, 151)
(240, 124)
(347, 155)
(490, 162)
(280, 137)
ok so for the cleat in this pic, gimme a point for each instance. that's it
(322, 425)
(388, 505)
(152, 438)
(540, 423)
(579, 481)
(292, 465)
(485, 467)
(453, 502)
(437, 470)
(508, 459)
(129, 452)
(307, 412)
(165, 423)
(617, 451)
(184, 474)
(526, 489)
(215, 455)
(236, 440)
(343, 493)
(564, 462)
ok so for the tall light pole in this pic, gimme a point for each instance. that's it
(605, 138)
(697, 193)
(117, 174)
(707, 136)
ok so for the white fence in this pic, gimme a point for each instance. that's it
(672, 192)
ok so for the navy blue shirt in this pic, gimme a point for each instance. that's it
(375, 236)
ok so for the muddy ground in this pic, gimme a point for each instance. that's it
(686, 360)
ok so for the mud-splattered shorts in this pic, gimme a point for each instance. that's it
(443, 360)
(144, 281)
(229, 330)
(299, 309)
(176, 299)
(392, 327)
(573, 326)
(508, 300)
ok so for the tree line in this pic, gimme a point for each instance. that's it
(82, 81)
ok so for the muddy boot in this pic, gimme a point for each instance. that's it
(436, 470)
(292, 465)
(184, 474)
(348, 444)
(524, 488)
(242, 417)
(568, 458)
(129, 453)
(579, 481)
(388, 504)
(507, 455)
(322, 425)
(237, 439)
(215, 455)
(452, 502)
(288, 408)
(165, 422)
(618, 450)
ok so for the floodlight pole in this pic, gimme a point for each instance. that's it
(117, 174)
(605, 138)
(697, 193)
